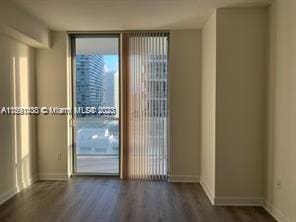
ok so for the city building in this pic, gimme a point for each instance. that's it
(89, 80)
(156, 86)
(109, 89)
(116, 93)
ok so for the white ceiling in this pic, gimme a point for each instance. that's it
(78, 15)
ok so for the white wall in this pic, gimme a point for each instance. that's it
(184, 106)
(208, 106)
(281, 123)
(51, 71)
(17, 133)
(23, 27)
(240, 103)
(184, 80)
(233, 106)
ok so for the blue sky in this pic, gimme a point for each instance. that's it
(111, 62)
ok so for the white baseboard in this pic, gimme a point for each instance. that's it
(53, 176)
(246, 201)
(276, 213)
(231, 201)
(238, 201)
(208, 193)
(183, 179)
(7, 195)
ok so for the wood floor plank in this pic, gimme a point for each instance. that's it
(112, 200)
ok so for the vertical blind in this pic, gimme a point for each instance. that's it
(147, 105)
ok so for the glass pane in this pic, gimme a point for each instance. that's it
(97, 105)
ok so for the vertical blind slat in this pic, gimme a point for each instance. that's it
(145, 105)
(158, 106)
(141, 107)
(138, 74)
(150, 111)
(153, 109)
(136, 148)
(130, 107)
(133, 107)
(161, 108)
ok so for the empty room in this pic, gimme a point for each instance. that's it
(147, 110)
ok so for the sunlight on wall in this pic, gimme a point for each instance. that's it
(18, 141)
(24, 119)
(24, 101)
(22, 123)
(15, 133)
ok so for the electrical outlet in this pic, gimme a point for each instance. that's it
(278, 184)
(59, 156)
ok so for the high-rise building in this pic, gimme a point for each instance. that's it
(116, 93)
(89, 80)
(109, 86)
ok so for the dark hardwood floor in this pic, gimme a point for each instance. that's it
(102, 200)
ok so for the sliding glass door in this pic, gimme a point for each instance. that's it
(96, 103)
(96, 99)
